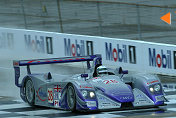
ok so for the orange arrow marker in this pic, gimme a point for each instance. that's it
(167, 18)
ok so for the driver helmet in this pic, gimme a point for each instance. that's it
(102, 70)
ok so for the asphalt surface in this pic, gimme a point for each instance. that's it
(11, 107)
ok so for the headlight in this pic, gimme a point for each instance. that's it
(157, 87)
(84, 93)
(151, 89)
(92, 94)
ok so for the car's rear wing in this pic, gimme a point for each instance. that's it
(17, 63)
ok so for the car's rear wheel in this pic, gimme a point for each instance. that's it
(30, 92)
(71, 98)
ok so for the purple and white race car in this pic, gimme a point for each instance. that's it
(99, 88)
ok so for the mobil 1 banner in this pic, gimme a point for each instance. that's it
(120, 53)
(38, 43)
(77, 46)
(161, 59)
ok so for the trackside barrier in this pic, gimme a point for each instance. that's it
(129, 54)
(169, 87)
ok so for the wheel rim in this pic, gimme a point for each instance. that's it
(71, 98)
(29, 91)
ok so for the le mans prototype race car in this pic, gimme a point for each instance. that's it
(99, 88)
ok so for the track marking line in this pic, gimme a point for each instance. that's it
(43, 112)
(171, 109)
(12, 106)
(4, 112)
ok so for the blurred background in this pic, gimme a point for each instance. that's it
(127, 19)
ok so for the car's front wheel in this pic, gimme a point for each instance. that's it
(71, 98)
(29, 92)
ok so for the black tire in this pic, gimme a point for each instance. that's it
(71, 98)
(29, 92)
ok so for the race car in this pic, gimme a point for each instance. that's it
(98, 88)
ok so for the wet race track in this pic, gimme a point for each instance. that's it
(11, 107)
(15, 108)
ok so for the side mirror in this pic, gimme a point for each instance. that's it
(121, 71)
(125, 71)
(84, 75)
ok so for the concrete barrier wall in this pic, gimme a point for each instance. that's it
(133, 55)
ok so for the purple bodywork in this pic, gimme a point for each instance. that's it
(110, 91)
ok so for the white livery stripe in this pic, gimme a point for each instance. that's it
(42, 112)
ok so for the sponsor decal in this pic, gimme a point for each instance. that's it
(56, 103)
(57, 92)
(41, 94)
(95, 78)
(159, 98)
(91, 103)
(85, 86)
(57, 88)
(104, 102)
(102, 98)
(99, 80)
(153, 82)
(6, 40)
(162, 59)
(142, 100)
(16, 64)
(120, 53)
(77, 47)
(139, 96)
(40, 44)
(110, 81)
(50, 95)
(57, 95)
(126, 97)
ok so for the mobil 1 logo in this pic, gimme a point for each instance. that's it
(132, 54)
(39, 44)
(78, 47)
(162, 58)
(49, 45)
(120, 53)
(89, 47)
